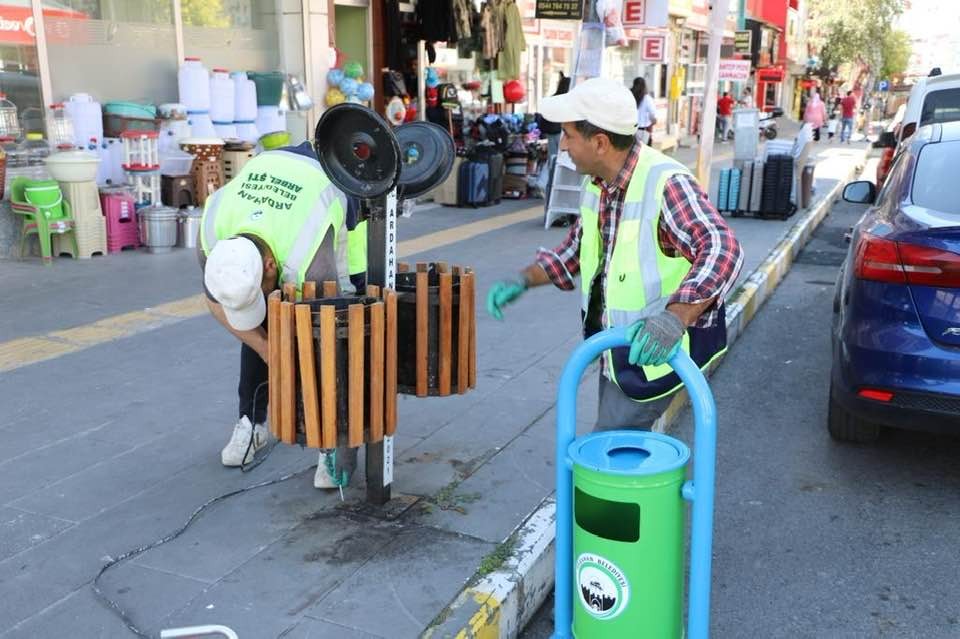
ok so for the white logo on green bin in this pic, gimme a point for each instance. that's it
(604, 590)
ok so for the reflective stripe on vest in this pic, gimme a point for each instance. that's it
(357, 249)
(285, 199)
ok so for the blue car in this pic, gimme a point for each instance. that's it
(896, 328)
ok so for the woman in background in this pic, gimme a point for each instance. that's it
(815, 114)
(646, 112)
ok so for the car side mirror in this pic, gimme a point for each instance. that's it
(861, 192)
(887, 140)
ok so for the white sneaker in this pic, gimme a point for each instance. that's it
(233, 453)
(326, 475)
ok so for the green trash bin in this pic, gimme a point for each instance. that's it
(628, 535)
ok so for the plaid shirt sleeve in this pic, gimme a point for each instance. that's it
(691, 227)
(562, 264)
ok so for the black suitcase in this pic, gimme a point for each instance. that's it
(473, 184)
(493, 159)
(777, 184)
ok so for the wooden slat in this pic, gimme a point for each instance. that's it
(472, 360)
(422, 267)
(355, 375)
(309, 291)
(423, 306)
(373, 291)
(390, 364)
(328, 376)
(403, 267)
(273, 363)
(463, 335)
(290, 292)
(308, 375)
(329, 289)
(288, 371)
(446, 333)
(376, 372)
(442, 267)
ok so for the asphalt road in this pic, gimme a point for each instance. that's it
(816, 539)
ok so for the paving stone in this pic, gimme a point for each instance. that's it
(318, 629)
(78, 614)
(407, 582)
(271, 592)
(20, 530)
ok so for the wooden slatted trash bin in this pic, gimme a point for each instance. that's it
(332, 368)
(436, 329)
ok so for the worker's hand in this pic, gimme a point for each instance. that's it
(502, 293)
(653, 341)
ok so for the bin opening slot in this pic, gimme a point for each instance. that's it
(627, 457)
(613, 520)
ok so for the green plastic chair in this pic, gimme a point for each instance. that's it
(44, 212)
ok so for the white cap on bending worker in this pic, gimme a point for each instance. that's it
(606, 104)
(233, 275)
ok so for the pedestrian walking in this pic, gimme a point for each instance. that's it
(646, 111)
(848, 106)
(280, 220)
(815, 114)
(832, 126)
(652, 253)
(724, 113)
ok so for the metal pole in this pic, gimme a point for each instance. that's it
(421, 80)
(718, 16)
(382, 272)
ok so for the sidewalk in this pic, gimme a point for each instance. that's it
(114, 443)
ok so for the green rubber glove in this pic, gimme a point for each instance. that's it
(653, 341)
(502, 293)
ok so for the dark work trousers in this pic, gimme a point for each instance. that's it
(253, 372)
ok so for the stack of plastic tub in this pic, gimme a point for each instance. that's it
(222, 103)
(271, 119)
(245, 107)
(87, 117)
(193, 82)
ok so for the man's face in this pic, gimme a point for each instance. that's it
(585, 152)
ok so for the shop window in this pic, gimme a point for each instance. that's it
(237, 35)
(351, 26)
(113, 49)
(19, 69)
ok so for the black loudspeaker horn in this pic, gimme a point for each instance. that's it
(426, 157)
(358, 150)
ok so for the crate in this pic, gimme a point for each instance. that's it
(114, 125)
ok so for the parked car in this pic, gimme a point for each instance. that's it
(896, 328)
(888, 142)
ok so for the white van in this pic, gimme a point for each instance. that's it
(933, 99)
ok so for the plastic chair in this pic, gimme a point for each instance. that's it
(47, 215)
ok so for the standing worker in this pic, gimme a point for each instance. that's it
(724, 113)
(279, 220)
(652, 252)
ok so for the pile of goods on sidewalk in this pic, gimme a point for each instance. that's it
(771, 183)
(132, 174)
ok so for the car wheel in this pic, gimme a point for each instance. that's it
(845, 427)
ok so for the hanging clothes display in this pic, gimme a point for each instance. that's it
(461, 20)
(492, 20)
(508, 61)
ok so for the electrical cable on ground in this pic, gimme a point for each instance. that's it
(113, 605)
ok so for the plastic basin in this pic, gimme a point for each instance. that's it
(73, 166)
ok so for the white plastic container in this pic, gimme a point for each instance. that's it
(248, 132)
(222, 97)
(171, 132)
(114, 154)
(175, 162)
(271, 119)
(193, 82)
(226, 131)
(87, 116)
(201, 125)
(245, 98)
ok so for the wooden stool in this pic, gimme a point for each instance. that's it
(207, 178)
(178, 191)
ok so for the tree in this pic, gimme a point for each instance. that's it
(851, 32)
(895, 53)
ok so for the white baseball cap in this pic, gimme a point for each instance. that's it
(601, 102)
(232, 275)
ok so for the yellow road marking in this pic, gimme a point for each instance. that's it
(23, 351)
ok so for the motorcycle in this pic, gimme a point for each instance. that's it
(767, 126)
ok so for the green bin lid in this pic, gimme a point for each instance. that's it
(624, 452)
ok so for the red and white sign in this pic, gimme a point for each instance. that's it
(16, 24)
(556, 35)
(652, 48)
(634, 13)
(734, 70)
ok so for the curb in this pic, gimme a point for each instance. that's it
(498, 605)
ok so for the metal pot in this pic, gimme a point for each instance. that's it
(188, 227)
(158, 228)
